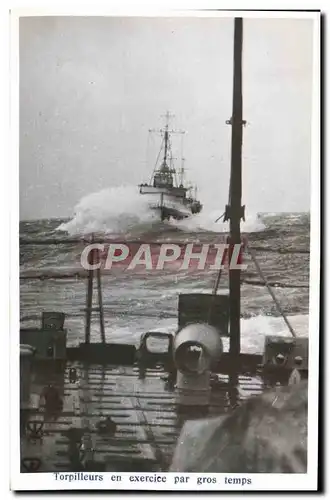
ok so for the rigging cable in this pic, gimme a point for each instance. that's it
(214, 293)
(217, 281)
(263, 277)
(147, 149)
(82, 240)
(155, 167)
(182, 160)
(219, 218)
(265, 282)
(229, 199)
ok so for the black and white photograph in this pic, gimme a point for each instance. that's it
(169, 251)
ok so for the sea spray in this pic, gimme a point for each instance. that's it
(119, 210)
(206, 221)
(113, 210)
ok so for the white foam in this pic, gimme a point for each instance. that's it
(206, 221)
(122, 209)
(253, 330)
(114, 210)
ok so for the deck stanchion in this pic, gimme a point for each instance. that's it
(100, 299)
(94, 257)
(89, 300)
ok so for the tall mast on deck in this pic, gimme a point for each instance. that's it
(166, 137)
(166, 132)
(234, 211)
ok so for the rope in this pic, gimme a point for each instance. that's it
(219, 218)
(281, 250)
(155, 167)
(147, 150)
(262, 276)
(216, 286)
(214, 293)
(276, 284)
(181, 146)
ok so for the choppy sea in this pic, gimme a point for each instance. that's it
(139, 300)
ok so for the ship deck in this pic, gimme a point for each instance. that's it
(142, 404)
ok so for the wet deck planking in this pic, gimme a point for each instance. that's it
(144, 409)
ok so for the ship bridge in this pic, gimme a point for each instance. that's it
(164, 177)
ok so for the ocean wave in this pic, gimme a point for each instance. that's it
(113, 210)
(123, 210)
(253, 330)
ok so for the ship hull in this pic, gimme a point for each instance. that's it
(170, 203)
(167, 213)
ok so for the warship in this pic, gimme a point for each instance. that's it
(170, 196)
(105, 406)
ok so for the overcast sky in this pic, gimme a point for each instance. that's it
(90, 88)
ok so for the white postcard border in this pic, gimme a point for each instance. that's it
(266, 482)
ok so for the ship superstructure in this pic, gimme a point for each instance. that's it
(167, 189)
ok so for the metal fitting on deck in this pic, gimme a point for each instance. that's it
(196, 348)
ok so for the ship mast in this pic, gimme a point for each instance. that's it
(234, 211)
(166, 140)
(164, 174)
